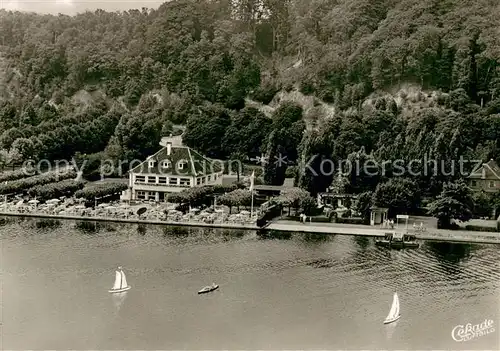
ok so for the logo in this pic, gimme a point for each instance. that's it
(469, 331)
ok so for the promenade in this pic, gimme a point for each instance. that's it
(290, 226)
(342, 229)
(133, 220)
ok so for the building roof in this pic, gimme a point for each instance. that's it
(194, 164)
(288, 183)
(379, 209)
(269, 187)
(175, 140)
(337, 195)
(487, 171)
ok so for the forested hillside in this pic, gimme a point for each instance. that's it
(111, 84)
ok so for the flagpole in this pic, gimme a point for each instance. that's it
(252, 180)
(251, 208)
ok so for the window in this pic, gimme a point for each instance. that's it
(166, 164)
(162, 180)
(151, 180)
(185, 181)
(474, 183)
(141, 195)
(140, 179)
(208, 178)
(198, 181)
(151, 195)
(151, 163)
(182, 164)
(172, 181)
(492, 184)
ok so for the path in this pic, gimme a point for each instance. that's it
(348, 229)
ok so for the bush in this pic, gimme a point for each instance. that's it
(54, 190)
(307, 87)
(291, 172)
(22, 185)
(477, 228)
(221, 189)
(351, 221)
(100, 190)
(265, 93)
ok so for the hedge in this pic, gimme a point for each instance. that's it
(22, 185)
(100, 190)
(350, 220)
(54, 190)
(17, 174)
(477, 228)
(203, 195)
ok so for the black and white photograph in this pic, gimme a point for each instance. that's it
(249, 175)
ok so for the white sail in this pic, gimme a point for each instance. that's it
(394, 312)
(124, 281)
(118, 281)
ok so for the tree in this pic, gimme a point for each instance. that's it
(399, 195)
(282, 145)
(205, 130)
(298, 199)
(246, 133)
(8, 137)
(236, 198)
(454, 202)
(362, 172)
(363, 204)
(4, 158)
(238, 158)
(23, 148)
(483, 204)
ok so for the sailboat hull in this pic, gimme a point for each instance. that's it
(119, 290)
(208, 289)
(390, 320)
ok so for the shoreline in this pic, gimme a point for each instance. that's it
(458, 236)
(288, 226)
(132, 221)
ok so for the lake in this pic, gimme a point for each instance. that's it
(277, 292)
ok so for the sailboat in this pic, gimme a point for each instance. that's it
(120, 282)
(394, 312)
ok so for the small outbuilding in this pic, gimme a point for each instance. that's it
(378, 215)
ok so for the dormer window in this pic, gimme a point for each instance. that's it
(182, 164)
(151, 163)
(166, 164)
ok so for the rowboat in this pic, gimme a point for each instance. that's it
(208, 288)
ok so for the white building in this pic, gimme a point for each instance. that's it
(172, 169)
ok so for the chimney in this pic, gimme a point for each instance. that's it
(169, 148)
